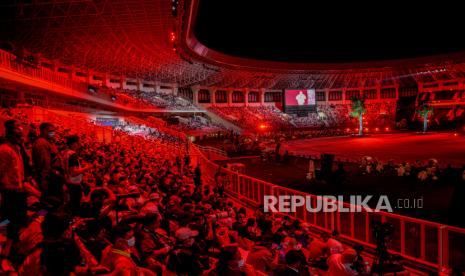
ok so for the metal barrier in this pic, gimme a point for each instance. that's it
(212, 152)
(435, 245)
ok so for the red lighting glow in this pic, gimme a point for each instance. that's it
(376, 129)
(387, 129)
(262, 126)
(172, 36)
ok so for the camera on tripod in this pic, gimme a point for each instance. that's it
(383, 262)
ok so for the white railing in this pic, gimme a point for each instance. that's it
(210, 152)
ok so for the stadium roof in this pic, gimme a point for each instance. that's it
(150, 40)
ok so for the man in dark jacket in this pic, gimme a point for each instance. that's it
(43, 153)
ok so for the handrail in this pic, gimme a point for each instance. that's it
(424, 242)
(209, 149)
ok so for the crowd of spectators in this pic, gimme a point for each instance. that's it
(141, 99)
(327, 116)
(123, 97)
(166, 100)
(252, 117)
(195, 122)
(138, 206)
(379, 114)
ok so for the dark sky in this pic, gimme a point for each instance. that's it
(310, 31)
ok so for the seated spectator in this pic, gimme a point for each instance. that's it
(341, 264)
(231, 262)
(295, 265)
(260, 256)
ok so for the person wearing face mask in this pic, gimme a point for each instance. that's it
(12, 190)
(43, 154)
(231, 263)
(117, 257)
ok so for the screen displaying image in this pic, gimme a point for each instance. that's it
(304, 97)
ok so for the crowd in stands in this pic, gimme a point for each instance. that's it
(122, 97)
(141, 99)
(377, 114)
(71, 204)
(200, 123)
(252, 117)
(168, 101)
(327, 116)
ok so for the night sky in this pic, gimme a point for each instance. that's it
(329, 32)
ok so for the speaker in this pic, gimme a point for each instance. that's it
(326, 164)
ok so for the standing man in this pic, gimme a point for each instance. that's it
(74, 172)
(13, 195)
(43, 152)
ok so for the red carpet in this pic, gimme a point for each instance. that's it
(445, 147)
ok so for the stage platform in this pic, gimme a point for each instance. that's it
(445, 147)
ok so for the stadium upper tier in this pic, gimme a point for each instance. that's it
(147, 40)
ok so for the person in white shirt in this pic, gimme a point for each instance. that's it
(300, 98)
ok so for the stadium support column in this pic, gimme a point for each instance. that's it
(121, 82)
(213, 96)
(195, 93)
(72, 72)
(326, 96)
(138, 84)
(230, 92)
(378, 92)
(90, 74)
(21, 97)
(261, 94)
(344, 90)
(106, 80)
(174, 89)
(397, 91)
(246, 97)
(156, 87)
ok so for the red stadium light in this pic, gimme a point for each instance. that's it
(348, 130)
(387, 129)
(262, 126)
(376, 129)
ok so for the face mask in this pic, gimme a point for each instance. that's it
(241, 263)
(132, 242)
(51, 134)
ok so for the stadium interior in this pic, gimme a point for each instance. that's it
(192, 137)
